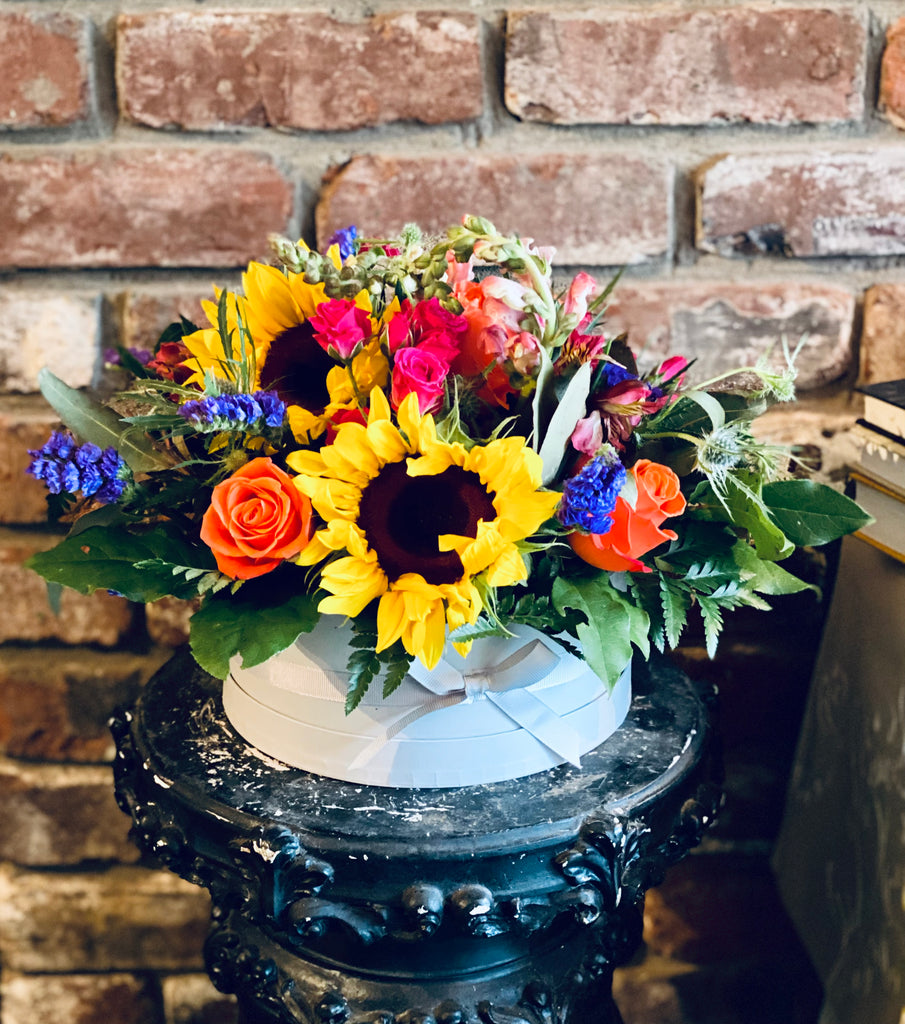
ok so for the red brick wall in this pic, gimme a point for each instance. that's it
(747, 165)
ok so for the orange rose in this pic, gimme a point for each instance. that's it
(256, 519)
(635, 531)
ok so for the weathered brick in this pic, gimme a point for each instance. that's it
(142, 316)
(167, 206)
(48, 83)
(78, 999)
(883, 336)
(803, 204)
(123, 919)
(61, 815)
(222, 69)
(596, 209)
(25, 423)
(54, 704)
(47, 329)
(892, 74)
(717, 907)
(192, 999)
(725, 326)
(167, 620)
(678, 66)
(98, 618)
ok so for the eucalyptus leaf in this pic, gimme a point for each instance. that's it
(570, 410)
(812, 513)
(544, 401)
(93, 422)
(710, 405)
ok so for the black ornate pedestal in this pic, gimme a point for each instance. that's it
(335, 903)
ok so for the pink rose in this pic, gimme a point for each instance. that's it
(427, 324)
(422, 371)
(340, 327)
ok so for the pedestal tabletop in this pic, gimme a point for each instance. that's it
(335, 902)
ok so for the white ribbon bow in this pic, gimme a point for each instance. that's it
(509, 685)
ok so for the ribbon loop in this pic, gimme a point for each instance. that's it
(509, 685)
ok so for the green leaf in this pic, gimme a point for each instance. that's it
(710, 405)
(688, 416)
(767, 577)
(713, 623)
(674, 602)
(364, 666)
(477, 631)
(613, 623)
(105, 557)
(94, 422)
(742, 507)
(398, 661)
(248, 624)
(570, 410)
(812, 513)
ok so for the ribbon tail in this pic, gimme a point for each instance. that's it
(534, 716)
(377, 744)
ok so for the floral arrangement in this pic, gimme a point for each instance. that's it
(429, 439)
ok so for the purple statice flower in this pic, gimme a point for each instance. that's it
(345, 238)
(66, 466)
(589, 497)
(234, 412)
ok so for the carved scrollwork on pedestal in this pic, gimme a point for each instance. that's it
(238, 968)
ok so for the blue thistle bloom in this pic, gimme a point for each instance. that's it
(345, 238)
(589, 497)
(234, 412)
(65, 466)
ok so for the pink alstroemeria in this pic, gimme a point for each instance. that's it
(587, 437)
(670, 368)
(340, 327)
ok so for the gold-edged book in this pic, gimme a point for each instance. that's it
(886, 503)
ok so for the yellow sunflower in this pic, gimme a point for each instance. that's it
(416, 519)
(275, 308)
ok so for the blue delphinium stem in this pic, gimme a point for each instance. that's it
(590, 496)
(68, 467)
(234, 412)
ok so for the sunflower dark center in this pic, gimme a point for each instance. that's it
(296, 367)
(403, 516)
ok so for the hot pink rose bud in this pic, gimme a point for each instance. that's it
(341, 327)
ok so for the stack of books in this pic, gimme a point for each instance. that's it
(879, 476)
